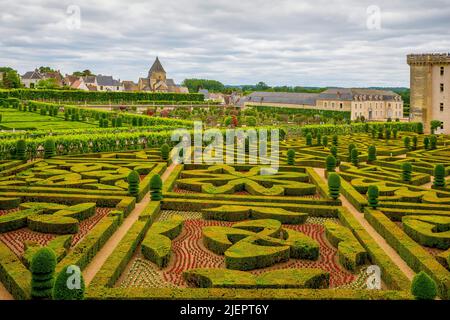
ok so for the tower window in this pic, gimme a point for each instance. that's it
(441, 107)
(340, 105)
(442, 71)
(442, 87)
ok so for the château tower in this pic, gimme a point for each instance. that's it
(430, 89)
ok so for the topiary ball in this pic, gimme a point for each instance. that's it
(69, 284)
(423, 287)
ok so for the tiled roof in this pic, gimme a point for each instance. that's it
(345, 94)
(107, 81)
(30, 75)
(282, 97)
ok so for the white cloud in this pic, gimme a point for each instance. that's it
(292, 42)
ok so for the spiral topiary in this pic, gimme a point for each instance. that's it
(351, 146)
(291, 157)
(330, 163)
(49, 148)
(372, 195)
(334, 185)
(439, 176)
(355, 157)
(21, 147)
(406, 171)
(133, 183)
(42, 269)
(156, 188)
(69, 284)
(423, 287)
(165, 149)
(372, 154)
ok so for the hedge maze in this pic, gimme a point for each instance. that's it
(227, 231)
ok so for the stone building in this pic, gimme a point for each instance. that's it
(157, 80)
(378, 105)
(430, 89)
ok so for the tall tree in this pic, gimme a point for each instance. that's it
(10, 78)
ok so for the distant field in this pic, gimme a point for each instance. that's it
(14, 119)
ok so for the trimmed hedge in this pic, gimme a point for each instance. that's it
(351, 253)
(13, 274)
(97, 96)
(413, 254)
(277, 279)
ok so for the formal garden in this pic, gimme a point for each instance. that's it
(353, 211)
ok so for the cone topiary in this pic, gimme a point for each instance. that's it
(355, 157)
(165, 149)
(433, 142)
(439, 176)
(406, 172)
(426, 143)
(372, 195)
(69, 284)
(291, 157)
(156, 188)
(407, 143)
(333, 151)
(420, 128)
(42, 269)
(319, 139)
(414, 142)
(423, 287)
(372, 154)
(334, 185)
(21, 149)
(133, 183)
(49, 148)
(325, 141)
(309, 139)
(335, 140)
(330, 163)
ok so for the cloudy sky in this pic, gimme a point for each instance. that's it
(281, 42)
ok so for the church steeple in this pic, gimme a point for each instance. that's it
(156, 68)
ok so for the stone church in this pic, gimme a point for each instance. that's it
(157, 81)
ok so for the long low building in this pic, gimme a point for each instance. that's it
(368, 103)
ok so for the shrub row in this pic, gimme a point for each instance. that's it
(413, 254)
(98, 96)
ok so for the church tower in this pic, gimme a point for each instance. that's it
(157, 72)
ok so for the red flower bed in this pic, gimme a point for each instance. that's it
(15, 239)
(189, 253)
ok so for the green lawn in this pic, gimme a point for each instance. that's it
(23, 120)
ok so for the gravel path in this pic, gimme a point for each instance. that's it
(373, 233)
(101, 256)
